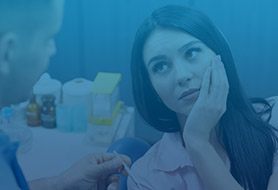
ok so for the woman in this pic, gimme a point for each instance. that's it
(185, 84)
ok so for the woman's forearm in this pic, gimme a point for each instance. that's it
(210, 167)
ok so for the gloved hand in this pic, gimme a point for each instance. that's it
(94, 172)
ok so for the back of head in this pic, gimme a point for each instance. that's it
(27, 31)
(20, 15)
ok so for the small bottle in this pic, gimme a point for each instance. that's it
(33, 113)
(48, 111)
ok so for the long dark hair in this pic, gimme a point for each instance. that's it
(249, 141)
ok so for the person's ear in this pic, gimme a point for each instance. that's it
(7, 47)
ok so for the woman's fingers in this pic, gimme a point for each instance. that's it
(205, 87)
(224, 84)
(225, 78)
(215, 80)
(214, 87)
(219, 86)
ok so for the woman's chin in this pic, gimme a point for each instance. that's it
(185, 110)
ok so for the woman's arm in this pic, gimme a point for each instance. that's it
(203, 118)
(210, 167)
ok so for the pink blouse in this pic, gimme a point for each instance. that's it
(167, 166)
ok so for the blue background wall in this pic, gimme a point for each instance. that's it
(97, 35)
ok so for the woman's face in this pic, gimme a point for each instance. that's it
(176, 63)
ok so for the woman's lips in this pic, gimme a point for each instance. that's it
(189, 94)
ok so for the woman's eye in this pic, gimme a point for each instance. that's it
(192, 53)
(160, 67)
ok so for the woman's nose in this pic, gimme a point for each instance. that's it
(183, 75)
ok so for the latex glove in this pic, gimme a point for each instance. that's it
(94, 172)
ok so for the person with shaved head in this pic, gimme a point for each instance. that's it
(27, 31)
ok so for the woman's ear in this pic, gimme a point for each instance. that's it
(7, 44)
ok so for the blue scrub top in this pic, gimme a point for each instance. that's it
(11, 176)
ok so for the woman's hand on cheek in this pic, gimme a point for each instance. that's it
(210, 105)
